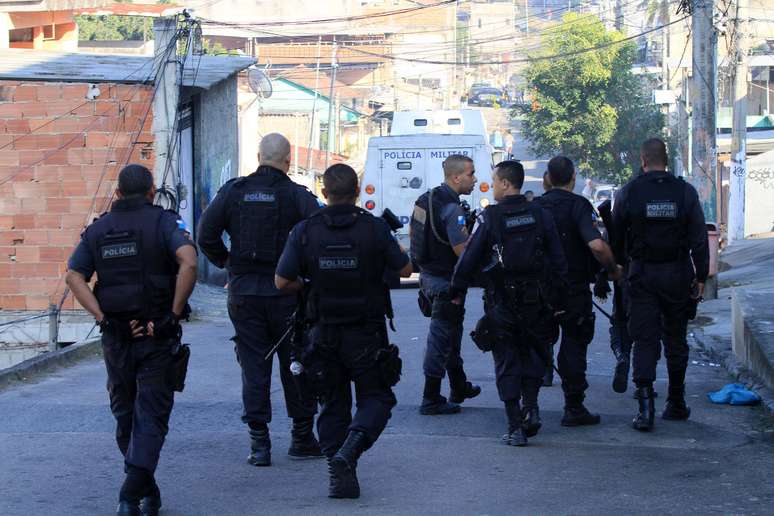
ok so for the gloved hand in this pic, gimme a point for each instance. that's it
(168, 327)
(601, 286)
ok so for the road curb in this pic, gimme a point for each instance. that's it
(736, 370)
(50, 361)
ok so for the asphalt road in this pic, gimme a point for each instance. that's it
(58, 456)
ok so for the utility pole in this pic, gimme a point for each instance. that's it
(331, 123)
(739, 131)
(314, 106)
(167, 97)
(704, 82)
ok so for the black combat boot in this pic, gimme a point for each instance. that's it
(433, 403)
(461, 388)
(575, 413)
(342, 467)
(127, 508)
(137, 483)
(530, 388)
(676, 409)
(151, 502)
(260, 445)
(517, 435)
(303, 444)
(643, 421)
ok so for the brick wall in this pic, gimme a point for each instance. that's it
(59, 157)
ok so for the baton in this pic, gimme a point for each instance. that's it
(609, 317)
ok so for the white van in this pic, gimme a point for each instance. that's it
(401, 168)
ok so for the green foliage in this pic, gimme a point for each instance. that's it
(589, 106)
(112, 28)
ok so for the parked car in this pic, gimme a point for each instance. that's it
(488, 97)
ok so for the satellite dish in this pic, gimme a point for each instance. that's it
(259, 82)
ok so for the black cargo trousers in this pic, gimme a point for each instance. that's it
(658, 297)
(577, 333)
(340, 355)
(259, 323)
(520, 329)
(140, 384)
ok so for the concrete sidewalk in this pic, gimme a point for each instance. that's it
(737, 329)
(58, 456)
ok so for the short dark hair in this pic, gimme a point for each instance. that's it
(340, 181)
(560, 170)
(134, 180)
(512, 171)
(654, 152)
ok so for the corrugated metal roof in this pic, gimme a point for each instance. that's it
(36, 65)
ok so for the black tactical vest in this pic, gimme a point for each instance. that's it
(262, 211)
(430, 247)
(581, 264)
(659, 224)
(345, 266)
(518, 231)
(135, 274)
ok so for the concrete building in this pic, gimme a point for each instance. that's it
(68, 123)
(41, 24)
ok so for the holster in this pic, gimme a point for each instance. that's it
(483, 335)
(690, 308)
(445, 310)
(179, 369)
(390, 364)
(425, 305)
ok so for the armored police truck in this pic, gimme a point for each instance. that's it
(400, 168)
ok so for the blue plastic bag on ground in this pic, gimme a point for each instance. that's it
(734, 394)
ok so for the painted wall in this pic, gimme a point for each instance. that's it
(216, 154)
(759, 192)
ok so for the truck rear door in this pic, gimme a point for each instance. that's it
(402, 181)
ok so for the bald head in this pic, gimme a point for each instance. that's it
(274, 151)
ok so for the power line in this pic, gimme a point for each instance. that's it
(330, 20)
(528, 59)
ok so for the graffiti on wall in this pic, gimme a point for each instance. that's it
(763, 176)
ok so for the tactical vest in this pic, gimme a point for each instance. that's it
(659, 223)
(135, 274)
(345, 266)
(581, 264)
(430, 247)
(262, 211)
(518, 231)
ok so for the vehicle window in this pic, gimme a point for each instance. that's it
(454, 121)
(420, 122)
(404, 165)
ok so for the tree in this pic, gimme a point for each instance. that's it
(588, 105)
(112, 28)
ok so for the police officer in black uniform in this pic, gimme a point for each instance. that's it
(659, 230)
(258, 211)
(583, 248)
(342, 252)
(438, 236)
(146, 270)
(525, 279)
